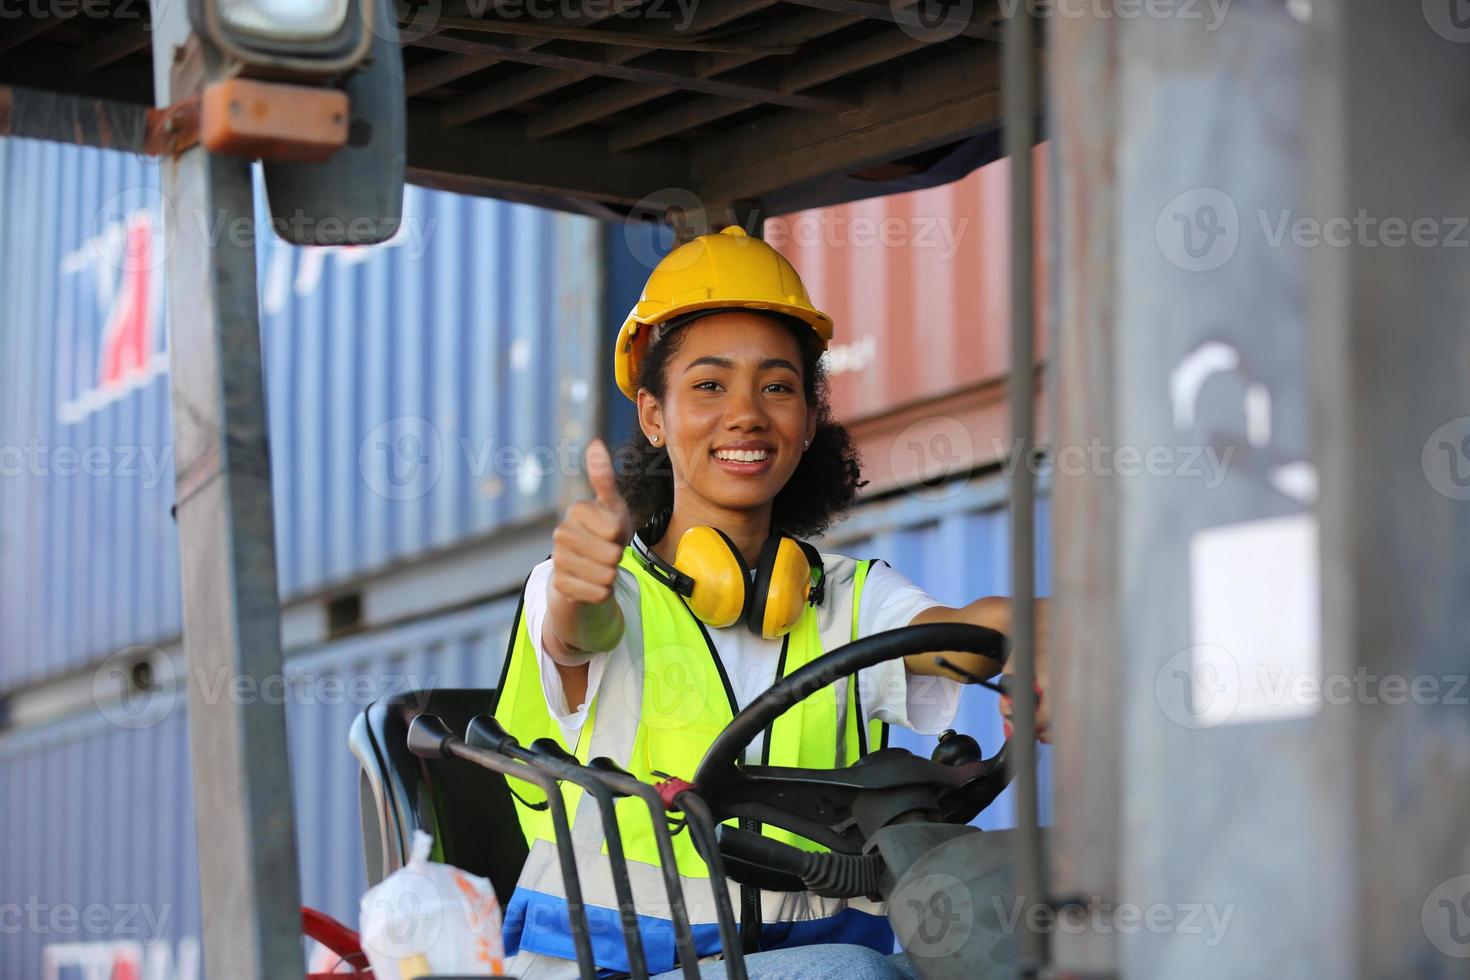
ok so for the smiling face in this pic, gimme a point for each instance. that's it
(734, 415)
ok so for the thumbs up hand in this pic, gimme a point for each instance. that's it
(588, 544)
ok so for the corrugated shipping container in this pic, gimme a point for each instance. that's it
(918, 287)
(98, 814)
(88, 559)
(957, 549)
(102, 815)
(421, 393)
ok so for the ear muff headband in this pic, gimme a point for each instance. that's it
(661, 570)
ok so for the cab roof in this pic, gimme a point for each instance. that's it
(611, 106)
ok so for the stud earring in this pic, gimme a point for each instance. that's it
(806, 444)
(653, 439)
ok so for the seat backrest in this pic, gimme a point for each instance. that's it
(468, 810)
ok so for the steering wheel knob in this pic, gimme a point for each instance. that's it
(956, 749)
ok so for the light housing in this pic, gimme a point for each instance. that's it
(292, 38)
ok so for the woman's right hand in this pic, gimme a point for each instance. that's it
(586, 548)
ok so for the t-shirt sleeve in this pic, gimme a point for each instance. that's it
(889, 692)
(571, 718)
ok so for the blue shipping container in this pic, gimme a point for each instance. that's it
(957, 550)
(422, 393)
(98, 862)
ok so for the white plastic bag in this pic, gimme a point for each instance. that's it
(431, 919)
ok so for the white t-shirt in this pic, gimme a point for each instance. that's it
(889, 693)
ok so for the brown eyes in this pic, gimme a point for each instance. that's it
(779, 386)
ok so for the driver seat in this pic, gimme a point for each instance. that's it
(468, 810)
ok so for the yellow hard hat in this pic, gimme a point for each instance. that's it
(729, 269)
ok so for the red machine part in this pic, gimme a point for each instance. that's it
(339, 939)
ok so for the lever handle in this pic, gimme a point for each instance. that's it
(485, 732)
(552, 749)
(428, 736)
(603, 764)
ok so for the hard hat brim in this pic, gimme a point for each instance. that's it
(633, 338)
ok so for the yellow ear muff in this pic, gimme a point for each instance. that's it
(783, 581)
(721, 577)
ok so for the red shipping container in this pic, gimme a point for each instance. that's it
(918, 288)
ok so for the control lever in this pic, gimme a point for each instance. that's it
(1003, 687)
(624, 783)
(701, 819)
(546, 755)
(430, 738)
(701, 823)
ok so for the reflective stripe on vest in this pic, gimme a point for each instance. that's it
(656, 711)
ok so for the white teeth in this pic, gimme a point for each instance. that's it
(742, 455)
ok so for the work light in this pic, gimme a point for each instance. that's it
(284, 20)
(288, 37)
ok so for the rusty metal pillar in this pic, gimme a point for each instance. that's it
(1388, 317)
(1021, 105)
(242, 785)
(1262, 761)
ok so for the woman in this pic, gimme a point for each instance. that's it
(684, 589)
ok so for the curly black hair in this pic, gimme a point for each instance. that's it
(821, 490)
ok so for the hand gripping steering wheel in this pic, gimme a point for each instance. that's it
(840, 808)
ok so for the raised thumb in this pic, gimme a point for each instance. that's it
(600, 474)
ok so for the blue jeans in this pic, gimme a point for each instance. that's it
(828, 961)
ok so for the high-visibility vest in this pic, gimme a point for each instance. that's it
(656, 711)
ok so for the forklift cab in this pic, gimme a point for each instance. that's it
(753, 108)
(468, 811)
(748, 110)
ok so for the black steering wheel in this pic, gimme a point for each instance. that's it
(842, 808)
